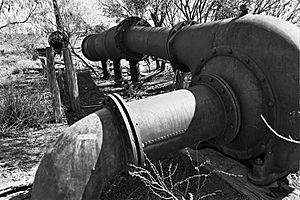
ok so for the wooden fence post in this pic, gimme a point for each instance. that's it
(53, 85)
(71, 81)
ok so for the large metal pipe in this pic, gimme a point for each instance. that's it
(98, 147)
(241, 68)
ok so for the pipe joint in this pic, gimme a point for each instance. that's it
(229, 102)
(121, 31)
(128, 129)
(170, 50)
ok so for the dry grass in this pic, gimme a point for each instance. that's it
(163, 181)
(23, 106)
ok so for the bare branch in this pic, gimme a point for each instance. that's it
(1, 5)
(21, 21)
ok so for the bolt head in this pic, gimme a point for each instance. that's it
(258, 161)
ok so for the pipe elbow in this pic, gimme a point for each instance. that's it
(83, 159)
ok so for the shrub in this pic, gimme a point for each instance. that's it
(21, 108)
(167, 182)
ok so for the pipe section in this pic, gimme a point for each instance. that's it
(95, 149)
(83, 159)
(180, 119)
(101, 46)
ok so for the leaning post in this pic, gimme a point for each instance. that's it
(53, 85)
(71, 80)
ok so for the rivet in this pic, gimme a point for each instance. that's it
(230, 108)
(258, 161)
(222, 90)
(262, 79)
(231, 126)
(271, 103)
(114, 107)
(210, 80)
(230, 51)
(214, 51)
(247, 60)
(202, 59)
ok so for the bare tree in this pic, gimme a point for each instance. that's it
(288, 10)
(210, 10)
(155, 10)
(14, 12)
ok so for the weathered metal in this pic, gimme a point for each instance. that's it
(241, 68)
(118, 72)
(135, 72)
(104, 69)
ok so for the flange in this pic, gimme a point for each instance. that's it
(238, 69)
(230, 105)
(128, 128)
(172, 34)
(58, 39)
(119, 36)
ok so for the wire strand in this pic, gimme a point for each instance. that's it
(290, 139)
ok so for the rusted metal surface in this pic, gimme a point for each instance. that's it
(241, 68)
(104, 69)
(135, 72)
(258, 56)
(118, 72)
(172, 121)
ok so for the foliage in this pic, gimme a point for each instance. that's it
(22, 108)
(170, 12)
(155, 10)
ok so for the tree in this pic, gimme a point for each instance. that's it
(211, 10)
(155, 10)
(288, 10)
(120, 9)
(14, 12)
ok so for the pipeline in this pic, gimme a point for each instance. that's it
(241, 68)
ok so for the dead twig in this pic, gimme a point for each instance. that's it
(289, 139)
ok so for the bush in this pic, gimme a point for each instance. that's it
(23, 107)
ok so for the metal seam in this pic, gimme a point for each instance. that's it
(156, 140)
